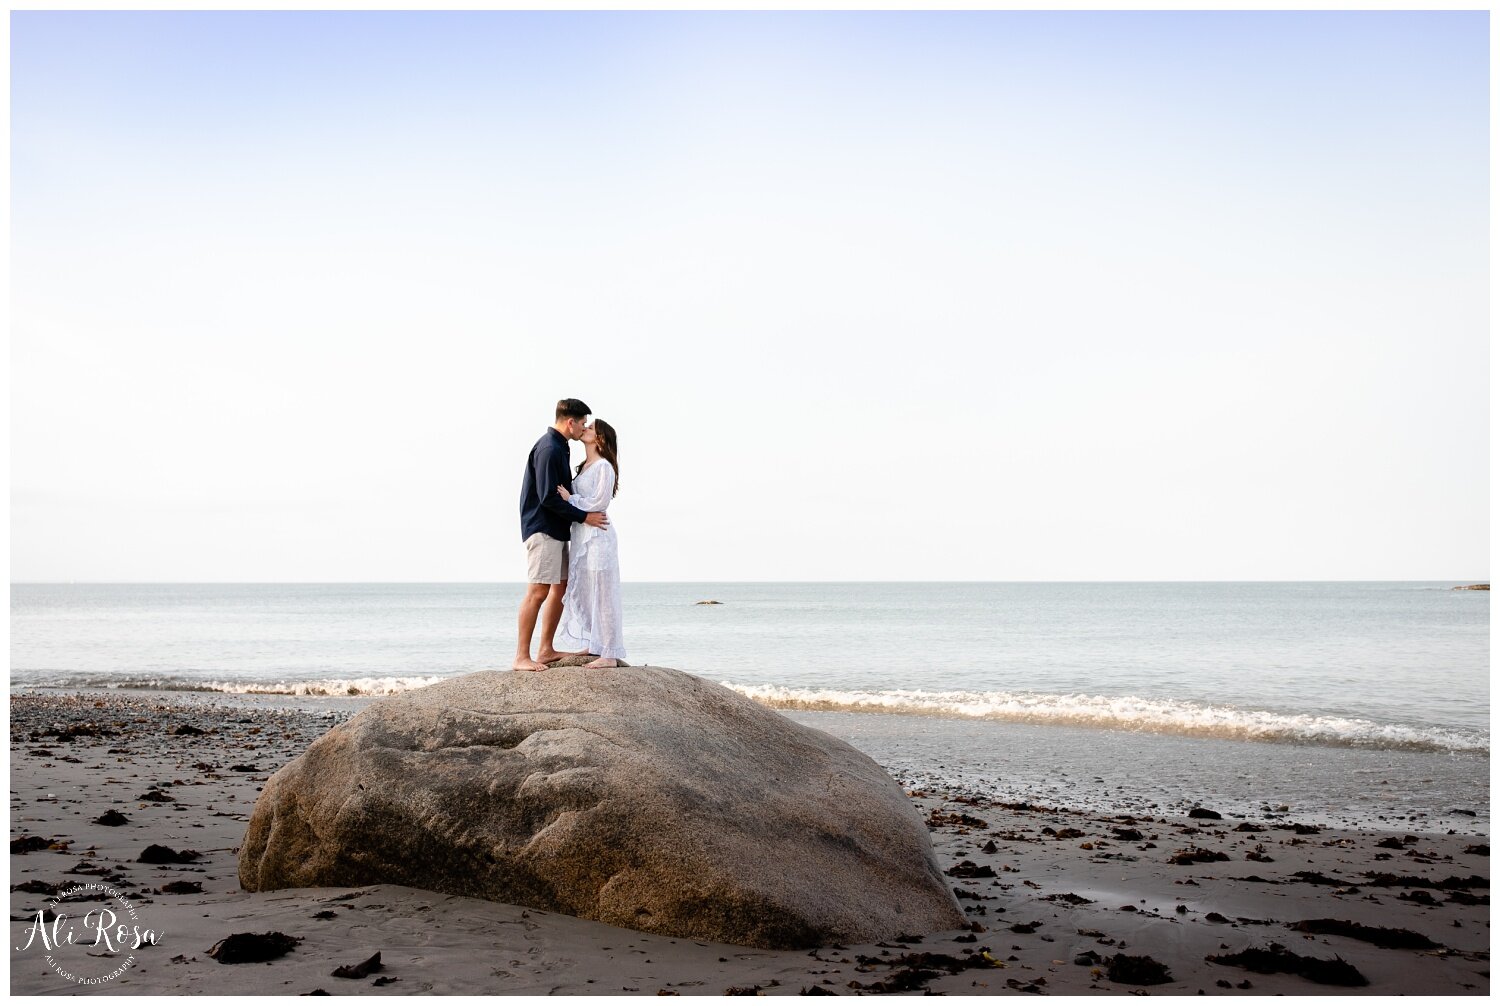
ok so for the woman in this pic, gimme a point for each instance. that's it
(591, 607)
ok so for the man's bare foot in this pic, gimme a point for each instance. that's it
(550, 656)
(527, 665)
(604, 662)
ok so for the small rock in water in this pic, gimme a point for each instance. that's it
(1205, 814)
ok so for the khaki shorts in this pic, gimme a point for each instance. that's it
(546, 559)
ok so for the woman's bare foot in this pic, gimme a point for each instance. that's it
(527, 665)
(604, 662)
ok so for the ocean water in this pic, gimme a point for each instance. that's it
(1348, 702)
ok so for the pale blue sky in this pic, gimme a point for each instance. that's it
(990, 295)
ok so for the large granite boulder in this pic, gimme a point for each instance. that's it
(641, 797)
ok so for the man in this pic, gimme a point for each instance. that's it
(546, 524)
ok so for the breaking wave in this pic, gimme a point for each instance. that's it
(1142, 715)
(327, 686)
(1163, 716)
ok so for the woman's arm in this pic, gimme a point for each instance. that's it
(604, 491)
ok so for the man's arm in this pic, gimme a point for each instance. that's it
(552, 470)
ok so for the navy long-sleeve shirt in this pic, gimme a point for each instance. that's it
(542, 509)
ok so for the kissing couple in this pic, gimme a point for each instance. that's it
(572, 562)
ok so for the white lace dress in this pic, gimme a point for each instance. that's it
(591, 617)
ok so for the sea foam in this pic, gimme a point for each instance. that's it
(324, 686)
(1126, 712)
(1114, 712)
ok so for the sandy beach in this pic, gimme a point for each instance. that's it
(1060, 902)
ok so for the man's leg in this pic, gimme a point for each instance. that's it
(531, 603)
(551, 616)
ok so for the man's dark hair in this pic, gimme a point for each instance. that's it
(572, 407)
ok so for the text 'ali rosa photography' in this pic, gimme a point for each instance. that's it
(92, 948)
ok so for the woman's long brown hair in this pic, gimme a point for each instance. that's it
(609, 450)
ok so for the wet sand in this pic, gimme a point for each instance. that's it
(1060, 902)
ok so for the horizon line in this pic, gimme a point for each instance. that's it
(316, 583)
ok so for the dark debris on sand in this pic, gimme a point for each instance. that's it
(165, 854)
(360, 970)
(1446, 884)
(1311, 877)
(1128, 969)
(1464, 898)
(941, 819)
(36, 887)
(183, 887)
(914, 971)
(1390, 939)
(252, 948)
(73, 731)
(1276, 958)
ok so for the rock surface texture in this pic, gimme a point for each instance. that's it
(641, 797)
